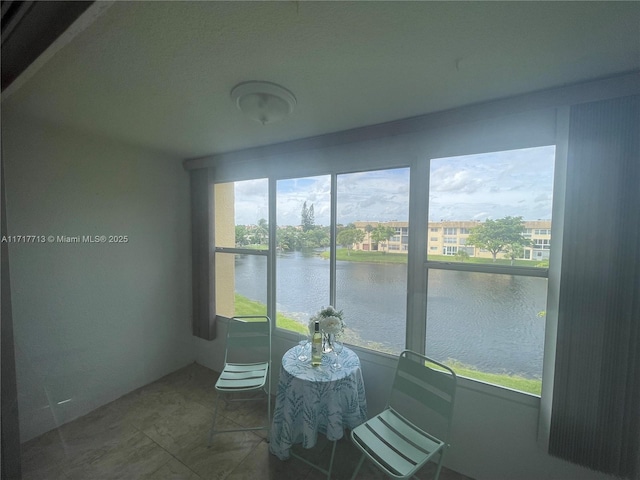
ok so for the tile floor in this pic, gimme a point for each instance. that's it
(160, 432)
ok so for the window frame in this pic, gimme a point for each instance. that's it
(387, 152)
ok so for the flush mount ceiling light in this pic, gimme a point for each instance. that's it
(264, 102)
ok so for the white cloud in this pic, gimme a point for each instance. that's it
(471, 187)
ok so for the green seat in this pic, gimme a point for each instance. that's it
(422, 389)
(247, 367)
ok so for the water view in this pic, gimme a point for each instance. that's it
(490, 322)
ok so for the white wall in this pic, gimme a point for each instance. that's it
(93, 321)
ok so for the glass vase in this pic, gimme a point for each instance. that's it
(327, 342)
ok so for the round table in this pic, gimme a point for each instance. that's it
(312, 400)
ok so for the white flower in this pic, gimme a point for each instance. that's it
(330, 321)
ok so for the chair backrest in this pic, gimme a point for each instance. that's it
(429, 385)
(248, 339)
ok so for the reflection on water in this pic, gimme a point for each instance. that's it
(488, 321)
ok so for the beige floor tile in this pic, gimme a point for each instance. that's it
(135, 458)
(226, 452)
(260, 464)
(247, 414)
(160, 432)
(172, 470)
(189, 423)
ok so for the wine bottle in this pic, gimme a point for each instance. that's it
(316, 345)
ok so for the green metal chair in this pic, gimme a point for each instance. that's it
(422, 389)
(247, 366)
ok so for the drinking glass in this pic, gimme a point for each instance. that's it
(337, 350)
(304, 347)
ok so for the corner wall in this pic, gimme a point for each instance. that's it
(93, 321)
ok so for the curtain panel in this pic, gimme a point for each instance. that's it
(595, 419)
(202, 256)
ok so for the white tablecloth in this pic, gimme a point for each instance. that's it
(312, 400)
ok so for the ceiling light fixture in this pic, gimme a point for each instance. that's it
(264, 102)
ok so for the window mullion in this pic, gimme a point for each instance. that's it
(416, 273)
(332, 239)
(271, 257)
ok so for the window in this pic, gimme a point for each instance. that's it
(485, 312)
(372, 288)
(303, 207)
(542, 243)
(241, 244)
(340, 236)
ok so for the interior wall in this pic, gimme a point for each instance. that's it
(93, 321)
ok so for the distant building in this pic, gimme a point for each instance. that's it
(447, 238)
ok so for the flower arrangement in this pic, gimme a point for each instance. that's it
(331, 321)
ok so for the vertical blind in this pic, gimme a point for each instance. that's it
(202, 258)
(595, 419)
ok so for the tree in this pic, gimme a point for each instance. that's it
(311, 217)
(496, 235)
(461, 255)
(349, 236)
(261, 232)
(241, 235)
(513, 251)
(382, 234)
(304, 216)
(307, 219)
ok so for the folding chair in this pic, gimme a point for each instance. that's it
(247, 366)
(395, 444)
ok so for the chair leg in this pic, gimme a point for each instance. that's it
(355, 472)
(333, 452)
(439, 464)
(268, 415)
(213, 423)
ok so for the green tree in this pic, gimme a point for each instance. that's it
(311, 217)
(496, 235)
(461, 255)
(261, 232)
(349, 236)
(241, 235)
(381, 234)
(307, 217)
(304, 216)
(513, 251)
(288, 238)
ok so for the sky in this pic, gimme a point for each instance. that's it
(471, 187)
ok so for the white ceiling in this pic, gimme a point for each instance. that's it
(158, 74)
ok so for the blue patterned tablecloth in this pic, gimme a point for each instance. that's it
(312, 400)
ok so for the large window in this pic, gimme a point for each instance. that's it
(373, 209)
(486, 305)
(303, 249)
(466, 282)
(241, 241)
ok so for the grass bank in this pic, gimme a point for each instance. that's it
(385, 257)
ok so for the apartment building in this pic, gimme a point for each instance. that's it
(450, 237)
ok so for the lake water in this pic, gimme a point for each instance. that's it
(488, 321)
